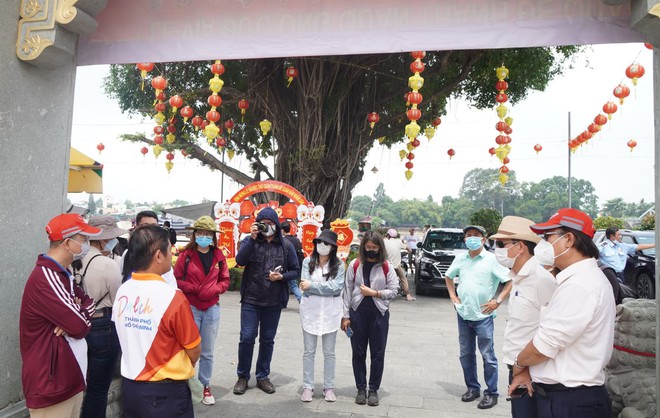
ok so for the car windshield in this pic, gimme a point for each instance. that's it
(647, 239)
(439, 240)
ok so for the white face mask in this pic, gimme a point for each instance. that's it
(110, 245)
(502, 256)
(84, 249)
(323, 249)
(545, 252)
(270, 232)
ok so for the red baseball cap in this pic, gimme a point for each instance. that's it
(569, 218)
(67, 225)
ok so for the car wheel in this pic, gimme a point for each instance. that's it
(418, 287)
(645, 286)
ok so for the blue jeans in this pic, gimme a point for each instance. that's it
(293, 285)
(207, 322)
(471, 333)
(257, 319)
(102, 356)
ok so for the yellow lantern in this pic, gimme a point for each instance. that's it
(502, 72)
(159, 118)
(408, 174)
(215, 84)
(503, 178)
(168, 166)
(230, 153)
(429, 132)
(409, 147)
(501, 111)
(211, 131)
(157, 149)
(508, 120)
(381, 139)
(265, 126)
(170, 138)
(415, 82)
(402, 154)
(412, 130)
(502, 151)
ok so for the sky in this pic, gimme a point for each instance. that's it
(542, 118)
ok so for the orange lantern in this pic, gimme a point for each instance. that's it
(635, 71)
(100, 147)
(213, 116)
(415, 97)
(610, 108)
(593, 128)
(176, 102)
(500, 139)
(621, 92)
(451, 153)
(418, 55)
(144, 68)
(632, 144)
(160, 107)
(414, 113)
(291, 73)
(214, 100)
(220, 142)
(538, 148)
(144, 151)
(243, 105)
(506, 160)
(600, 120)
(373, 118)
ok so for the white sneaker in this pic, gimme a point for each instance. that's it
(208, 398)
(307, 395)
(329, 395)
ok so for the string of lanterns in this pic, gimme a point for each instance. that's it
(415, 98)
(503, 127)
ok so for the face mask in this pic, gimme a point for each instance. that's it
(473, 243)
(110, 245)
(323, 249)
(502, 256)
(545, 252)
(84, 249)
(371, 254)
(270, 231)
(203, 241)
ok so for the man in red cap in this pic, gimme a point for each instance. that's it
(573, 343)
(54, 319)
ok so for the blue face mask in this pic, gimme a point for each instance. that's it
(203, 241)
(110, 245)
(473, 243)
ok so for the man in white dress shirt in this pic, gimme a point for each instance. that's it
(533, 287)
(573, 343)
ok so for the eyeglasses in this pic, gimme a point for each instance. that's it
(200, 233)
(547, 234)
(500, 244)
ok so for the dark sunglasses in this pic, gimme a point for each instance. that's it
(500, 244)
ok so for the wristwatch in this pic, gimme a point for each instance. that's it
(515, 363)
(498, 301)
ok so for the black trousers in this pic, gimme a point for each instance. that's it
(370, 328)
(525, 406)
(169, 399)
(582, 402)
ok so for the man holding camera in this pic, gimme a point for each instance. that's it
(270, 263)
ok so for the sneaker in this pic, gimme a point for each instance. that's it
(241, 386)
(208, 398)
(361, 398)
(372, 400)
(265, 385)
(307, 395)
(329, 395)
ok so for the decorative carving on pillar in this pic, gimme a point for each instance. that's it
(36, 28)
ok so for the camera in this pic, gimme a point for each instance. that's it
(262, 227)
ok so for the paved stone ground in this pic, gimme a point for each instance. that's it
(422, 377)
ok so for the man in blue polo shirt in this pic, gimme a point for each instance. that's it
(478, 275)
(614, 253)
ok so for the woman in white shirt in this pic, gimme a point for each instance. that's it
(322, 278)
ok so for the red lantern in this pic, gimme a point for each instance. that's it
(184, 152)
(204, 124)
(504, 169)
(632, 144)
(176, 102)
(451, 152)
(538, 148)
(213, 116)
(186, 112)
(573, 143)
(171, 129)
(501, 85)
(506, 160)
(217, 68)
(508, 130)
(373, 117)
(415, 97)
(159, 83)
(291, 73)
(593, 128)
(501, 98)
(220, 142)
(197, 122)
(414, 114)
(409, 165)
(229, 125)
(507, 140)
(491, 151)
(648, 45)
(415, 142)
(600, 120)
(158, 139)
(144, 151)
(635, 71)
(586, 135)
(417, 66)
(245, 225)
(160, 107)
(159, 130)
(621, 92)
(169, 156)
(610, 108)
(243, 105)
(145, 66)
(247, 207)
(500, 139)
(436, 122)
(161, 96)
(214, 100)
(418, 54)
(100, 147)
(501, 126)
(410, 156)
(289, 211)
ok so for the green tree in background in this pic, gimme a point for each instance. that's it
(483, 188)
(648, 223)
(488, 218)
(604, 222)
(91, 205)
(540, 200)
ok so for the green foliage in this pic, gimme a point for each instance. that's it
(91, 205)
(604, 222)
(620, 209)
(488, 218)
(648, 223)
(540, 200)
(235, 276)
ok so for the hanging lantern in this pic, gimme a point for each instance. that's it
(501, 98)
(502, 72)
(621, 92)
(414, 114)
(410, 156)
(265, 126)
(144, 68)
(501, 111)
(632, 144)
(412, 130)
(418, 55)
(586, 136)
(508, 130)
(170, 138)
(168, 166)
(417, 66)
(217, 68)
(508, 120)
(409, 147)
(159, 83)
(169, 156)
(429, 132)
(503, 178)
(504, 169)
(501, 86)
(500, 139)
(216, 83)
(506, 160)
(158, 140)
(184, 152)
(220, 142)
(600, 120)
(451, 153)
(593, 128)
(159, 130)
(157, 149)
(610, 108)
(230, 153)
(415, 143)
(197, 122)
(176, 102)
(634, 72)
(415, 97)
(214, 100)
(186, 112)
(538, 148)
(501, 126)
(409, 165)
(243, 105)
(291, 73)
(402, 154)
(415, 82)
(144, 151)
(213, 116)
(373, 118)
(436, 121)
(491, 151)
(229, 125)
(648, 45)
(408, 174)
(100, 147)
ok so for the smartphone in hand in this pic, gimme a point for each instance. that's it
(517, 393)
(349, 332)
(277, 269)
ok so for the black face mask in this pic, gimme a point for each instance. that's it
(371, 254)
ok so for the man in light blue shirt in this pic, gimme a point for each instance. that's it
(478, 276)
(614, 253)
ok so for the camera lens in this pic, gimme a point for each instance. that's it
(262, 227)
